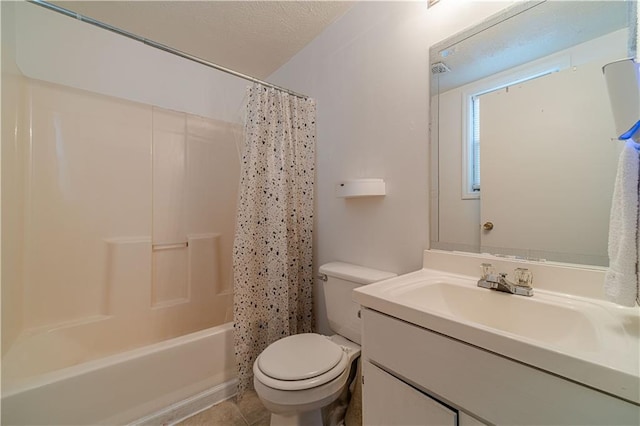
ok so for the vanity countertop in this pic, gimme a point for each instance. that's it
(586, 340)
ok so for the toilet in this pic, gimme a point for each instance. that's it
(296, 376)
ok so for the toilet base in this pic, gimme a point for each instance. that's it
(306, 418)
(303, 407)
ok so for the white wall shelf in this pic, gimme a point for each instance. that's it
(361, 188)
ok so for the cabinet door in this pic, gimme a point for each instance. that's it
(388, 401)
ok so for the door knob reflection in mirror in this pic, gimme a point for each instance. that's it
(488, 226)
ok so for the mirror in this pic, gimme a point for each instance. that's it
(521, 132)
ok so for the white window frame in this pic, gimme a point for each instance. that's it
(498, 81)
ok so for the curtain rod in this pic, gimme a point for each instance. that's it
(159, 46)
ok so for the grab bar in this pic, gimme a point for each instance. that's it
(169, 246)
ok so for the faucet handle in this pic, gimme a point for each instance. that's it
(487, 269)
(523, 277)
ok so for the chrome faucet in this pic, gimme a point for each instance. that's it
(498, 281)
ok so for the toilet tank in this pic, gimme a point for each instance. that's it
(341, 280)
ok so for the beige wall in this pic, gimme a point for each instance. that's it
(96, 179)
(369, 72)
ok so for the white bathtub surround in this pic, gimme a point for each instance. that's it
(273, 271)
(129, 290)
(77, 205)
(622, 282)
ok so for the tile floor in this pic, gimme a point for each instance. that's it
(248, 412)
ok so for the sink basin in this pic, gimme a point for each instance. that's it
(586, 340)
(558, 324)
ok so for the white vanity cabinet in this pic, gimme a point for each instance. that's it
(414, 376)
(392, 402)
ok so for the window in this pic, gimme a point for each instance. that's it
(471, 117)
(475, 144)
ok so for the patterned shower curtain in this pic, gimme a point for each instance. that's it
(272, 252)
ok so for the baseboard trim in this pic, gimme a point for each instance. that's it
(181, 410)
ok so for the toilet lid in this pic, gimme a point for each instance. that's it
(299, 357)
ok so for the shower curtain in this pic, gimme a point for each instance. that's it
(272, 253)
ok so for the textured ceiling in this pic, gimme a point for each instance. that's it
(539, 31)
(252, 37)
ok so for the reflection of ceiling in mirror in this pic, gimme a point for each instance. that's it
(534, 33)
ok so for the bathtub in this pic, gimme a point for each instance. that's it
(157, 384)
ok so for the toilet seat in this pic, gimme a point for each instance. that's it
(299, 357)
(301, 361)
